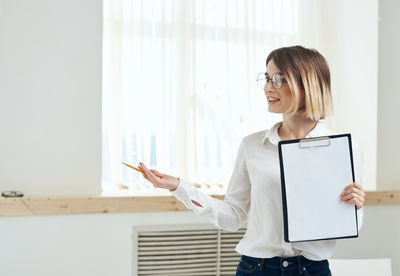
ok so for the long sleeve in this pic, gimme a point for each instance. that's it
(229, 214)
(358, 171)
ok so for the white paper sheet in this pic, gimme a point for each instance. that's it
(314, 178)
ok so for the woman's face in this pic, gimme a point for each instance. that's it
(279, 100)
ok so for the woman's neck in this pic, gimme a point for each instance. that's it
(295, 127)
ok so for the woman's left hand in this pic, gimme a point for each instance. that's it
(353, 193)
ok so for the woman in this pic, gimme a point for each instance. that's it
(297, 85)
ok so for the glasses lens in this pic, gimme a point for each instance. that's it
(277, 80)
(261, 80)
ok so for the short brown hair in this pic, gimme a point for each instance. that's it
(306, 71)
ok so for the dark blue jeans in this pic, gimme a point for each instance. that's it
(276, 266)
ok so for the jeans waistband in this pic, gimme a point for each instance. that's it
(282, 263)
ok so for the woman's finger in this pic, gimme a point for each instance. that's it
(143, 167)
(356, 202)
(353, 195)
(159, 180)
(352, 191)
(156, 173)
(150, 176)
(354, 198)
(353, 188)
(360, 189)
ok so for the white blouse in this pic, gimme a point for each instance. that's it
(254, 197)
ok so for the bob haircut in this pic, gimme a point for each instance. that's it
(307, 73)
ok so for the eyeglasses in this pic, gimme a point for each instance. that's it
(277, 80)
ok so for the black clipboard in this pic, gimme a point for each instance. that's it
(314, 171)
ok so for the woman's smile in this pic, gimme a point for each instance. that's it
(272, 99)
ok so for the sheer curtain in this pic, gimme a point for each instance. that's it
(179, 89)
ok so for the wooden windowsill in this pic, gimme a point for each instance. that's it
(58, 205)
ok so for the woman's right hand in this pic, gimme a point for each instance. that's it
(159, 180)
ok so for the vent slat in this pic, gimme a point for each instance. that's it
(230, 254)
(229, 240)
(177, 252)
(233, 268)
(177, 238)
(172, 271)
(170, 248)
(178, 266)
(232, 236)
(176, 233)
(229, 264)
(177, 257)
(180, 261)
(224, 250)
(183, 242)
(197, 273)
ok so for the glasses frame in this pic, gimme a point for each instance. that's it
(277, 80)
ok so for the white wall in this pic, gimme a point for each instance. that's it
(50, 96)
(101, 245)
(352, 52)
(389, 96)
(378, 238)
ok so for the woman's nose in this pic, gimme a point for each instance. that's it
(268, 86)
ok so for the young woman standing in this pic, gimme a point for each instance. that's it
(297, 85)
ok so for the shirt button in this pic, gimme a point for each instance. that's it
(285, 264)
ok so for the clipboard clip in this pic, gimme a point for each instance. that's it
(314, 142)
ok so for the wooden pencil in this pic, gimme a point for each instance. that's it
(132, 167)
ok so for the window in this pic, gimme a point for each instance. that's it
(179, 89)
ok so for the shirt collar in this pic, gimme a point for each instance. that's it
(273, 136)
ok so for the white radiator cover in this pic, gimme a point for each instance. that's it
(184, 250)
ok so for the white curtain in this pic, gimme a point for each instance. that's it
(179, 89)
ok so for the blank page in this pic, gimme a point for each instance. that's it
(314, 177)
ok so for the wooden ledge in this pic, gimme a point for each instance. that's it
(28, 206)
(383, 197)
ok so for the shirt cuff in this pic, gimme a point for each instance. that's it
(186, 193)
(179, 192)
